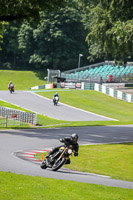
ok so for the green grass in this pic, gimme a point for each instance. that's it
(98, 103)
(22, 187)
(42, 120)
(114, 160)
(88, 100)
(5, 104)
(22, 80)
(11, 124)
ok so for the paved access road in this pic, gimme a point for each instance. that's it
(12, 141)
(44, 106)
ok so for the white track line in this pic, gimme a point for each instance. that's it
(60, 103)
(76, 108)
(28, 156)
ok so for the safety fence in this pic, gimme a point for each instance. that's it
(9, 122)
(103, 89)
(18, 115)
(114, 93)
(3, 121)
(106, 89)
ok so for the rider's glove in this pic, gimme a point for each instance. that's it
(75, 153)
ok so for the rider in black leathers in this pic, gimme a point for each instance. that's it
(68, 141)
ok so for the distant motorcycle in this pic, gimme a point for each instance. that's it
(11, 88)
(55, 100)
(58, 159)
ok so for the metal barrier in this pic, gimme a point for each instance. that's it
(3, 121)
(18, 115)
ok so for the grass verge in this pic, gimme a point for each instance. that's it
(114, 160)
(43, 120)
(22, 187)
(22, 80)
(90, 101)
(98, 103)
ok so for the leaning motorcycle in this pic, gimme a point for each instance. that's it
(55, 100)
(11, 88)
(58, 159)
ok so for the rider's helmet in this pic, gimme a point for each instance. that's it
(10, 82)
(74, 137)
(56, 93)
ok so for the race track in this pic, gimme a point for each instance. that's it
(16, 142)
(13, 141)
(44, 106)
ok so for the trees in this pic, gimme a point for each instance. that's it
(1, 33)
(56, 41)
(111, 34)
(11, 10)
(21, 9)
(10, 51)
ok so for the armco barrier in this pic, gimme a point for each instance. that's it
(114, 93)
(18, 115)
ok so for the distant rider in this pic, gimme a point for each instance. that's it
(10, 85)
(55, 95)
(68, 141)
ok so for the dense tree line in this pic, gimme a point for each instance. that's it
(20, 9)
(27, 9)
(111, 32)
(53, 35)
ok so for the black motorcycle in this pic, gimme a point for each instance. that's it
(58, 159)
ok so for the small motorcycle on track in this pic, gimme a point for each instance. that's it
(55, 100)
(57, 159)
(11, 88)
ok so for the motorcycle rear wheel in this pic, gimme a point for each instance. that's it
(58, 164)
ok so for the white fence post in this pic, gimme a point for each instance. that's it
(114, 93)
(6, 121)
(96, 87)
(111, 92)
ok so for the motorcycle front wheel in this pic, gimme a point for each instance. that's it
(43, 165)
(58, 164)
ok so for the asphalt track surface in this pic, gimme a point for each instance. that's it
(14, 141)
(44, 106)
